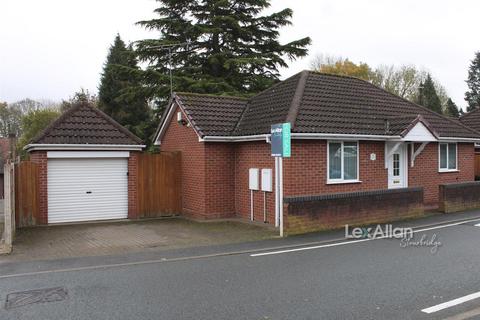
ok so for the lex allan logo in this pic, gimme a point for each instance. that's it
(378, 232)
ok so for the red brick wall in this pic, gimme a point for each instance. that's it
(425, 171)
(305, 173)
(253, 155)
(184, 139)
(220, 180)
(209, 169)
(40, 158)
(461, 196)
(309, 214)
(132, 185)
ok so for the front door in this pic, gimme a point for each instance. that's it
(396, 166)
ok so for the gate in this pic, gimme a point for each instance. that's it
(159, 184)
(26, 194)
(477, 166)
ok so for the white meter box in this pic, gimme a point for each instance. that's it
(267, 180)
(253, 179)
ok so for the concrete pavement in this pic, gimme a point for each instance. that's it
(375, 279)
(122, 237)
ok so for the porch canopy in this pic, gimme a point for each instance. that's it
(411, 129)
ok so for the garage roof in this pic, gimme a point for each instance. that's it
(84, 124)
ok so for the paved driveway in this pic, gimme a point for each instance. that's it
(52, 242)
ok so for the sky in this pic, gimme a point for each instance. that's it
(50, 49)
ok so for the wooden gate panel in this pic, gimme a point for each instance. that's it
(159, 184)
(477, 165)
(26, 194)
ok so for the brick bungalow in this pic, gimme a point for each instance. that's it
(347, 136)
(87, 168)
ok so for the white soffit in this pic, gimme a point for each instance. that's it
(419, 133)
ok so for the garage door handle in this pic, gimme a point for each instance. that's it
(89, 192)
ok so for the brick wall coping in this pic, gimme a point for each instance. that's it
(460, 184)
(345, 195)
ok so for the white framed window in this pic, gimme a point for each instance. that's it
(342, 161)
(447, 157)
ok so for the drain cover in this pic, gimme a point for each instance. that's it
(24, 298)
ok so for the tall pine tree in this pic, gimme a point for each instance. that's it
(451, 109)
(218, 47)
(132, 112)
(427, 95)
(472, 96)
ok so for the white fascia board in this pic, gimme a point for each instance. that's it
(297, 136)
(168, 118)
(87, 154)
(83, 147)
(452, 139)
(353, 137)
(258, 137)
(335, 136)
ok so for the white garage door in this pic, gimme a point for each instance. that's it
(87, 189)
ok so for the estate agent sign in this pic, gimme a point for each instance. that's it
(280, 140)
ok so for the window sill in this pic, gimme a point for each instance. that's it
(447, 171)
(343, 181)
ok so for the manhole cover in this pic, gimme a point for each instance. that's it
(24, 298)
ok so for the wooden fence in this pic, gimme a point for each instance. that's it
(477, 165)
(159, 184)
(158, 188)
(26, 194)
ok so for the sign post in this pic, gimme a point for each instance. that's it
(281, 148)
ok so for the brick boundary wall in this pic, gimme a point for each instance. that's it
(332, 211)
(455, 197)
(40, 158)
(133, 186)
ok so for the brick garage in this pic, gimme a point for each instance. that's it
(88, 168)
(394, 143)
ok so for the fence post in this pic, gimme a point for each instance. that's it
(9, 211)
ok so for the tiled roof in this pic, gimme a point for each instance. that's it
(472, 119)
(212, 115)
(316, 103)
(339, 104)
(268, 107)
(84, 124)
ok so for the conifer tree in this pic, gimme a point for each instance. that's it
(216, 47)
(130, 111)
(427, 95)
(472, 96)
(451, 109)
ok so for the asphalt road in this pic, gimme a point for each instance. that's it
(314, 279)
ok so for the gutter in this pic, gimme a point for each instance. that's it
(441, 139)
(45, 147)
(325, 136)
(258, 137)
(316, 136)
